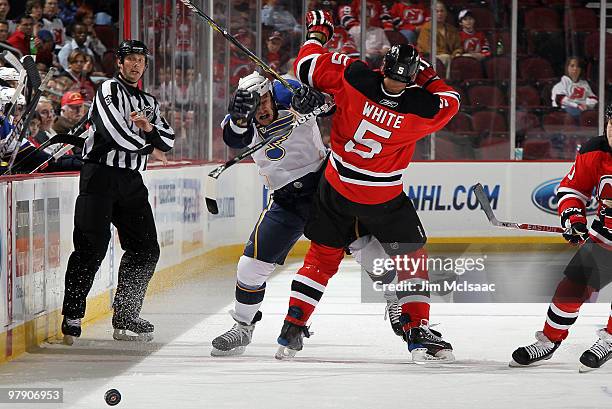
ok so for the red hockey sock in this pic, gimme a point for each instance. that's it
(564, 308)
(413, 297)
(417, 311)
(320, 264)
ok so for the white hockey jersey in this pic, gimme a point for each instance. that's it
(298, 152)
(567, 93)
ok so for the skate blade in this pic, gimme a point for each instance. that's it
(514, 364)
(124, 335)
(231, 352)
(420, 356)
(585, 369)
(284, 353)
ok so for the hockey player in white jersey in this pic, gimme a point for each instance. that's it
(291, 168)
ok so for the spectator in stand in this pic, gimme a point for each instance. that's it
(274, 56)
(78, 42)
(276, 15)
(44, 54)
(377, 42)
(85, 15)
(377, 13)
(5, 8)
(4, 31)
(75, 71)
(53, 23)
(408, 17)
(35, 9)
(240, 64)
(573, 93)
(72, 110)
(475, 43)
(47, 119)
(21, 38)
(34, 127)
(67, 12)
(448, 41)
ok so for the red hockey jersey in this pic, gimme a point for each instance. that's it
(373, 132)
(591, 171)
(378, 15)
(475, 42)
(409, 17)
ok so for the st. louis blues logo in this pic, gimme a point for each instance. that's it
(282, 126)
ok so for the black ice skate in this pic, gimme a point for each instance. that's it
(234, 341)
(71, 328)
(427, 345)
(598, 354)
(132, 329)
(291, 336)
(393, 310)
(536, 353)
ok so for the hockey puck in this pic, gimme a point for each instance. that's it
(112, 397)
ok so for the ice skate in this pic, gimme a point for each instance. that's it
(427, 345)
(597, 355)
(291, 336)
(71, 328)
(133, 329)
(235, 341)
(536, 353)
(394, 311)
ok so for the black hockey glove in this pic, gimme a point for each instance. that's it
(576, 230)
(307, 99)
(242, 107)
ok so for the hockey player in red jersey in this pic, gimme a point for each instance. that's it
(380, 116)
(590, 270)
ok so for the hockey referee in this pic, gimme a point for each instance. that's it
(126, 127)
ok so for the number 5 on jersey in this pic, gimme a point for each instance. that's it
(360, 137)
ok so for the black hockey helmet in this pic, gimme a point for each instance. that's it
(401, 63)
(128, 47)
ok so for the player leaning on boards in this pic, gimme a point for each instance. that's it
(126, 127)
(379, 119)
(291, 168)
(590, 270)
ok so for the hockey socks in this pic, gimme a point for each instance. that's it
(320, 264)
(564, 309)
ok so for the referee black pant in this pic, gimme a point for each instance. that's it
(118, 196)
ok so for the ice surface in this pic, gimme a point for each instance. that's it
(352, 361)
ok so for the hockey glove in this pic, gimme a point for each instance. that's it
(425, 74)
(242, 107)
(574, 221)
(320, 25)
(307, 99)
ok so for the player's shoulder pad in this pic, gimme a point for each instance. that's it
(360, 76)
(282, 95)
(598, 143)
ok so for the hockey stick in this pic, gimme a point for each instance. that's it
(30, 109)
(67, 138)
(482, 198)
(61, 152)
(210, 186)
(33, 79)
(189, 4)
(14, 61)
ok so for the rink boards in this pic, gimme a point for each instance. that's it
(36, 219)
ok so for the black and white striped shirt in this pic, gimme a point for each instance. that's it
(114, 139)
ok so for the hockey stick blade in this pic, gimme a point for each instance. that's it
(482, 198)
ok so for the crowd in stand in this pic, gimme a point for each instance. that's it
(75, 37)
(557, 76)
(556, 63)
